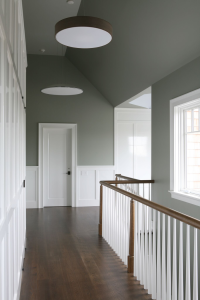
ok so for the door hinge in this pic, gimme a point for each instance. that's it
(24, 183)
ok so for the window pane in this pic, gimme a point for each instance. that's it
(193, 162)
(189, 120)
(196, 119)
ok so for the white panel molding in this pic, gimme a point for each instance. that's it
(42, 127)
(88, 187)
(32, 187)
(7, 32)
(13, 63)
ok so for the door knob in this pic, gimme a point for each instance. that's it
(68, 173)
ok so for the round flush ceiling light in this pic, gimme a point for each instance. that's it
(83, 32)
(62, 90)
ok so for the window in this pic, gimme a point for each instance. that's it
(192, 151)
(185, 148)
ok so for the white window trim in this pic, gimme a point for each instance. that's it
(176, 123)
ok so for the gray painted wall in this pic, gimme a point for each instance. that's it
(183, 81)
(90, 110)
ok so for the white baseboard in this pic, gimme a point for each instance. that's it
(88, 187)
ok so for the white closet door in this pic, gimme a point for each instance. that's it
(57, 153)
(133, 149)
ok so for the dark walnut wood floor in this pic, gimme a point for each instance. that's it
(67, 260)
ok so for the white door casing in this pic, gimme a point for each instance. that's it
(57, 153)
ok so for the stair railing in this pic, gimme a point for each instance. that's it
(144, 235)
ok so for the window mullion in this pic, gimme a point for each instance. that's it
(184, 160)
(199, 118)
(192, 121)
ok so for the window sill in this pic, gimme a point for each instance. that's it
(192, 199)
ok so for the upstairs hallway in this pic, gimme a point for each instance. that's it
(67, 260)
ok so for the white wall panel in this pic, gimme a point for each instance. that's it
(12, 148)
(88, 177)
(31, 187)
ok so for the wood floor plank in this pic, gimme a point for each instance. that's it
(67, 260)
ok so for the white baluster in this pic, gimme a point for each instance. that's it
(139, 242)
(180, 280)
(187, 281)
(105, 210)
(119, 222)
(118, 195)
(142, 248)
(114, 221)
(127, 228)
(110, 200)
(136, 241)
(163, 260)
(150, 285)
(154, 256)
(158, 261)
(174, 275)
(146, 279)
(121, 227)
(195, 267)
(169, 259)
(109, 216)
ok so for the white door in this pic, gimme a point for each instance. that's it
(57, 153)
(134, 149)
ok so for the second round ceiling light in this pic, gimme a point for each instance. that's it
(80, 32)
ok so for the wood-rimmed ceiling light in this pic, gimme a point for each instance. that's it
(83, 32)
(62, 90)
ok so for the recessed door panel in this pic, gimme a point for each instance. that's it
(57, 164)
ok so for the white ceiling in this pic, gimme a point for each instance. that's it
(40, 17)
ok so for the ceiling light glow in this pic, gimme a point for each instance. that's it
(62, 90)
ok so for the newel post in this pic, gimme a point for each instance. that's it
(131, 238)
(116, 178)
(100, 210)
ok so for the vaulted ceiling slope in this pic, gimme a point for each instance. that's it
(151, 39)
(40, 17)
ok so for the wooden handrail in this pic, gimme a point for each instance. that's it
(125, 177)
(127, 181)
(168, 211)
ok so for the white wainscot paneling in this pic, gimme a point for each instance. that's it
(88, 187)
(31, 187)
